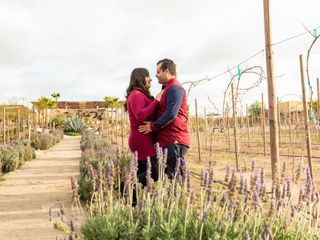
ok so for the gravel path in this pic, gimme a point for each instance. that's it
(27, 193)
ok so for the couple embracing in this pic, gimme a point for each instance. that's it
(162, 119)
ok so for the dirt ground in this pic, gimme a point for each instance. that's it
(27, 193)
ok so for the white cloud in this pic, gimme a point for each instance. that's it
(87, 49)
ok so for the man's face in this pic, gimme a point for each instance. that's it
(162, 75)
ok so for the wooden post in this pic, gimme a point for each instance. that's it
(18, 124)
(205, 127)
(29, 126)
(122, 126)
(252, 118)
(279, 121)
(101, 128)
(318, 104)
(197, 127)
(289, 125)
(234, 113)
(34, 116)
(263, 123)
(228, 129)
(248, 126)
(7, 127)
(273, 123)
(318, 100)
(306, 117)
(11, 127)
(4, 125)
(116, 124)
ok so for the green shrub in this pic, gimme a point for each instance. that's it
(9, 158)
(58, 121)
(29, 153)
(44, 141)
(58, 135)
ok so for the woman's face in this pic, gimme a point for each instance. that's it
(148, 82)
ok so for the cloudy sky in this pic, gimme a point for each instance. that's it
(86, 50)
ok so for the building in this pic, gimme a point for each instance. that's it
(290, 106)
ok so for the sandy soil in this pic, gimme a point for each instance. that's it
(27, 193)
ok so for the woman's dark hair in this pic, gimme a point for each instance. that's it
(138, 81)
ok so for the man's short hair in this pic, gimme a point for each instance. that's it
(168, 64)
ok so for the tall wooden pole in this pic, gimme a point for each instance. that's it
(197, 127)
(318, 104)
(234, 114)
(318, 99)
(279, 122)
(228, 129)
(306, 117)
(273, 123)
(248, 125)
(263, 122)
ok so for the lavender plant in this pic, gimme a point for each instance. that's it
(170, 209)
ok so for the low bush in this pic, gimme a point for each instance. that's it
(44, 141)
(14, 155)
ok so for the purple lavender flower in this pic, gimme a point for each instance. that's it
(289, 187)
(263, 191)
(223, 199)
(205, 180)
(202, 178)
(272, 207)
(165, 156)
(227, 176)
(188, 181)
(267, 233)
(262, 175)
(74, 188)
(241, 188)
(256, 200)
(301, 196)
(177, 168)
(283, 195)
(109, 176)
(292, 211)
(233, 182)
(192, 197)
(253, 166)
(148, 174)
(283, 172)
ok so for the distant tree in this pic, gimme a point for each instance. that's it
(314, 105)
(112, 102)
(55, 96)
(43, 104)
(255, 108)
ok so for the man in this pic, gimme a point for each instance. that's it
(171, 126)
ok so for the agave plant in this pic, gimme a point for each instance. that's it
(74, 124)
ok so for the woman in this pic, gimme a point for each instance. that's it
(141, 107)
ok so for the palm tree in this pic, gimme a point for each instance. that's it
(112, 102)
(43, 104)
(56, 96)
